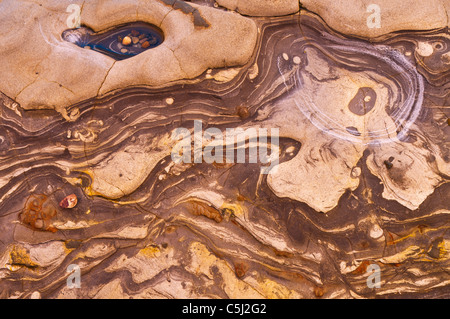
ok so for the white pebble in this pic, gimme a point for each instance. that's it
(356, 172)
(35, 295)
(376, 232)
(290, 149)
(424, 49)
(297, 60)
(169, 100)
(285, 56)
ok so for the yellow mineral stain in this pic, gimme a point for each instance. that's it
(73, 181)
(19, 257)
(273, 290)
(67, 250)
(88, 190)
(237, 209)
(444, 249)
(150, 251)
(444, 252)
(413, 252)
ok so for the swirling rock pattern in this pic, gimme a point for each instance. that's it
(362, 178)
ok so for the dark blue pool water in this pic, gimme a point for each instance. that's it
(119, 43)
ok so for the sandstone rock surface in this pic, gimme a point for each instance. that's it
(37, 75)
(261, 7)
(351, 17)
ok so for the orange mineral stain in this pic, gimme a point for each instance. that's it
(38, 212)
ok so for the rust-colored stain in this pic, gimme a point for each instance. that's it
(201, 209)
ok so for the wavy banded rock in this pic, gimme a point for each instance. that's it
(363, 138)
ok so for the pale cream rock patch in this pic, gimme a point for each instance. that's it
(97, 250)
(261, 7)
(350, 17)
(296, 60)
(316, 175)
(216, 199)
(143, 266)
(72, 225)
(35, 70)
(447, 7)
(323, 168)
(411, 179)
(128, 232)
(226, 75)
(424, 49)
(125, 170)
(47, 254)
(253, 71)
(111, 290)
(216, 44)
(35, 295)
(331, 101)
(376, 232)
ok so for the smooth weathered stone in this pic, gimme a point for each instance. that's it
(261, 7)
(350, 17)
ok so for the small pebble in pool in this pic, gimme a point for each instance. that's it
(135, 40)
(123, 50)
(126, 41)
(145, 45)
(134, 33)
